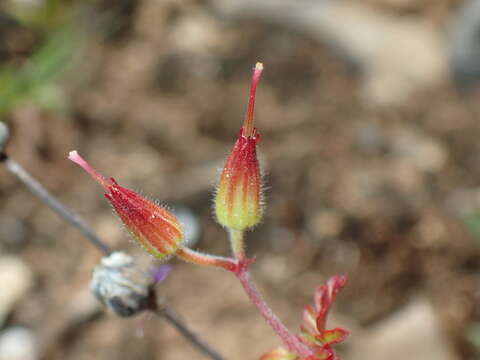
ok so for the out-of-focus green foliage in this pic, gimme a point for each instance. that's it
(38, 15)
(35, 80)
(473, 335)
(472, 223)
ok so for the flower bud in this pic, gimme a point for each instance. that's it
(238, 196)
(156, 229)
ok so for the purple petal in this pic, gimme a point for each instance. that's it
(159, 273)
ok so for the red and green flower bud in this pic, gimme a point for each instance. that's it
(156, 229)
(238, 197)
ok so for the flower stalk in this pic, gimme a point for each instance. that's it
(237, 244)
(238, 207)
(74, 219)
(291, 342)
(199, 258)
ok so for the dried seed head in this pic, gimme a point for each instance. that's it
(122, 285)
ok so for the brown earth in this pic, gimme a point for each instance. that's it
(378, 193)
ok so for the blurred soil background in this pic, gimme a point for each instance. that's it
(369, 113)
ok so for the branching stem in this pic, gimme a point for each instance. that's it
(77, 221)
(291, 342)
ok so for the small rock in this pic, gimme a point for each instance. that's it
(4, 136)
(16, 279)
(413, 333)
(464, 44)
(18, 343)
(382, 45)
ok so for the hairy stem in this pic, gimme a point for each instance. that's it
(290, 341)
(236, 243)
(199, 258)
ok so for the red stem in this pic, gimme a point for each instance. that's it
(199, 258)
(290, 341)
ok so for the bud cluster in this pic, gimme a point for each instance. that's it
(238, 207)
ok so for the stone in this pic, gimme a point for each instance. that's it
(379, 44)
(412, 333)
(16, 279)
(18, 343)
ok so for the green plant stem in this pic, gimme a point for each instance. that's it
(237, 243)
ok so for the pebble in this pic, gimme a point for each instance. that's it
(412, 333)
(4, 135)
(16, 279)
(380, 44)
(464, 44)
(18, 343)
